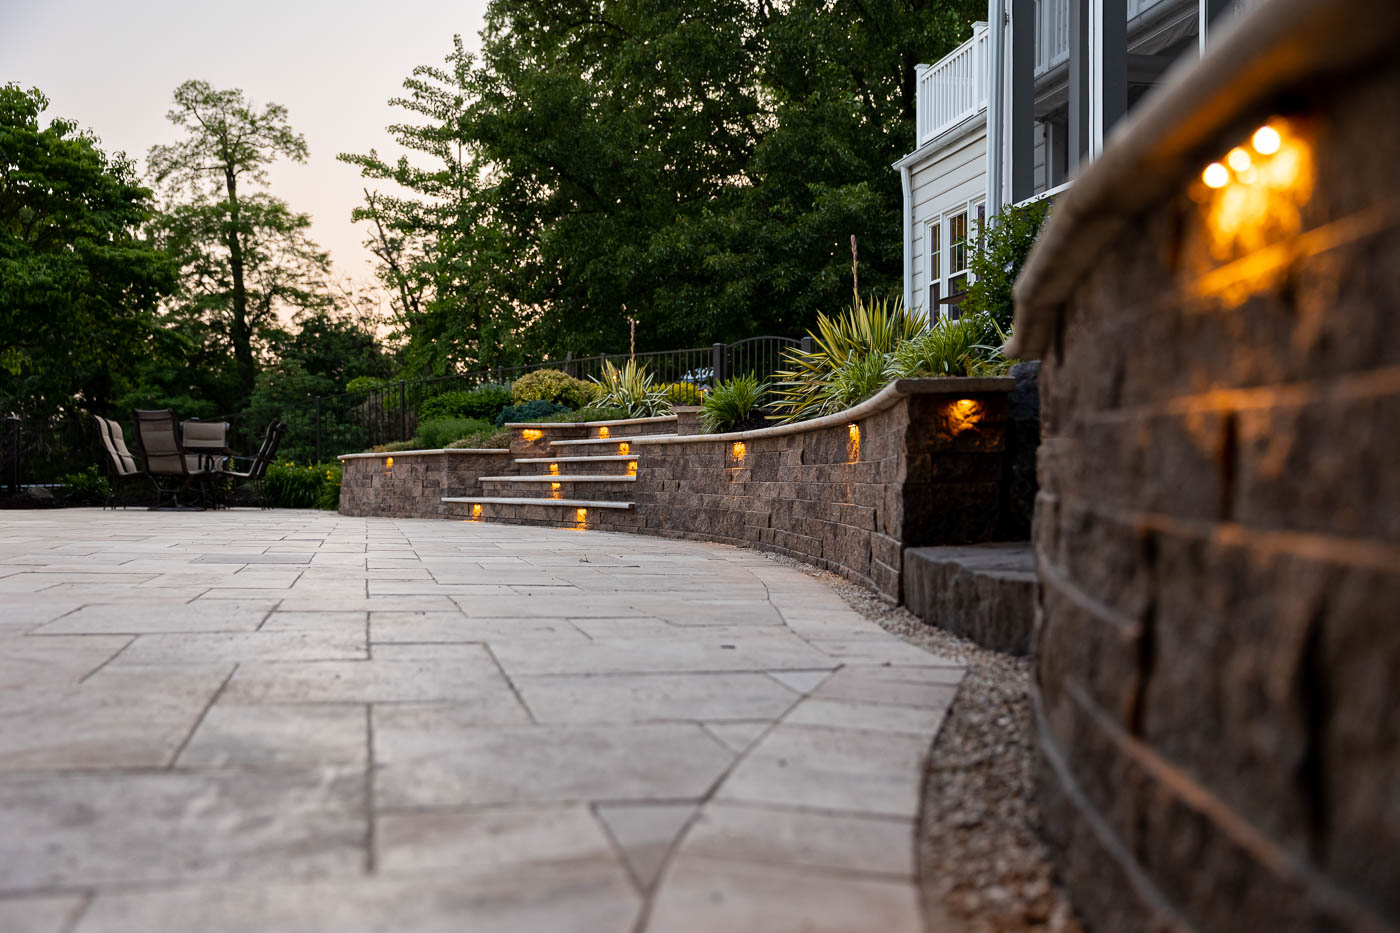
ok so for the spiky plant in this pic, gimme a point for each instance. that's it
(729, 404)
(632, 388)
(965, 346)
(805, 387)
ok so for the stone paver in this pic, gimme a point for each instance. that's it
(266, 721)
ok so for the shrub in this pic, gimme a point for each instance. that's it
(485, 402)
(528, 411)
(496, 440)
(89, 487)
(632, 388)
(856, 379)
(730, 404)
(438, 433)
(392, 446)
(997, 258)
(289, 486)
(966, 346)
(806, 387)
(553, 385)
(684, 393)
(587, 414)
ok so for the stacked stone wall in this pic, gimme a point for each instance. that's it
(414, 485)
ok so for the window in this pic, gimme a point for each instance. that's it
(957, 253)
(935, 270)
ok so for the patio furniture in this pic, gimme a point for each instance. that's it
(122, 467)
(158, 436)
(259, 463)
(205, 444)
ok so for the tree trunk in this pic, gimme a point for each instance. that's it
(240, 332)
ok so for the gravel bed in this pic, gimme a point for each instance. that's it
(981, 862)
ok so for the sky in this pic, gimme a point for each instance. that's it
(113, 66)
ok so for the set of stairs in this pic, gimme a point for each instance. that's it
(576, 478)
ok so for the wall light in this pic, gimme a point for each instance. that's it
(476, 511)
(554, 469)
(964, 414)
(632, 468)
(530, 434)
(738, 450)
(624, 448)
(1254, 197)
(604, 433)
(581, 517)
(388, 463)
(1266, 140)
(1216, 175)
(853, 442)
(554, 490)
(1239, 159)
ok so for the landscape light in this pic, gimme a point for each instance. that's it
(389, 463)
(737, 451)
(1266, 140)
(604, 433)
(853, 441)
(554, 469)
(1216, 175)
(1239, 159)
(530, 434)
(476, 511)
(632, 468)
(624, 448)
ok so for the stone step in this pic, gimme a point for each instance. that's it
(599, 441)
(562, 478)
(598, 458)
(985, 592)
(609, 465)
(547, 503)
(629, 427)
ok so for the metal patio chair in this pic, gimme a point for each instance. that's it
(205, 444)
(158, 436)
(122, 468)
(260, 461)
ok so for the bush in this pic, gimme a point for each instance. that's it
(684, 393)
(587, 414)
(997, 258)
(88, 487)
(528, 411)
(438, 433)
(309, 486)
(730, 404)
(632, 388)
(851, 346)
(497, 439)
(553, 385)
(485, 402)
(967, 346)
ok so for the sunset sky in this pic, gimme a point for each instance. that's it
(334, 65)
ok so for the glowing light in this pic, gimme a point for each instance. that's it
(604, 433)
(554, 490)
(1266, 140)
(476, 511)
(1239, 159)
(738, 450)
(963, 415)
(388, 463)
(554, 469)
(1216, 175)
(632, 468)
(624, 448)
(581, 517)
(853, 442)
(530, 434)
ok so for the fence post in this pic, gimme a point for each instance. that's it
(806, 344)
(717, 362)
(14, 425)
(602, 364)
(403, 413)
(318, 429)
(568, 362)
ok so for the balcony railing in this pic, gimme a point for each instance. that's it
(954, 88)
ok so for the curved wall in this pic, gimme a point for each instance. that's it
(1218, 529)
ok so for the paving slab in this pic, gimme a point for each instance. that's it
(299, 721)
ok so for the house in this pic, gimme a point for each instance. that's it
(1006, 119)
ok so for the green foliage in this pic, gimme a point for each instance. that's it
(438, 433)
(997, 258)
(485, 402)
(632, 388)
(88, 487)
(527, 412)
(683, 393)
(79, 287)
(488, 438)
(288, 485)
(956, 347)
(729, 404)
(562, 175)
(843, 358)
(591, 413)
(856, 379)
(365, 384)
(553, 385)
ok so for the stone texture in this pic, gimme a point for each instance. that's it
(984, 592)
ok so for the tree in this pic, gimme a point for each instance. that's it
(79, 285)
(244, 254)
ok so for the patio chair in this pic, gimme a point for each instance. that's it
(158, 436)
(259, 463)
(205, 444)
(122, 468)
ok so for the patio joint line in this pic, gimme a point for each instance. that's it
(200, 721)
(83, 679)
(519, 698)
(371, 858)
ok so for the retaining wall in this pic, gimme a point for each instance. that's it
(411, 483)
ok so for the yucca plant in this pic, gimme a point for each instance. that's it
(730, 404)
(632, 388)
(806, 387)
(965, 346)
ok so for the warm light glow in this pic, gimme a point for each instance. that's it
(632, 468)
(963, 415)
(530, 434)
(624, 448)
(554, 490)
(476, 510)
(1266, 140)
(853, 442)
(1261, 204)
(738, 450)
(554, 469)
(389, 463)
(1216, 175)
(581, 516)
(604, 433)
(1239, 159)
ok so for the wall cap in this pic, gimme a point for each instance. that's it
(427, 453)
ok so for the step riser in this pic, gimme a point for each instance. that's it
(565, 490)
(546, 516)
(608, 467)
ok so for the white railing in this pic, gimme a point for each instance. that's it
(954, 88)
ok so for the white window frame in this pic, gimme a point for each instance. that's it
(933, 267)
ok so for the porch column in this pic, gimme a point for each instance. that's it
(996, 103)
(1022, 98)
(1108, 68)
(1078, 143)
(1209, 13)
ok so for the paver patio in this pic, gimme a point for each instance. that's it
(299, 721)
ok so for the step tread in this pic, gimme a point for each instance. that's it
(598, 458)
(563, 503)
(562, 478)
(575, 441)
